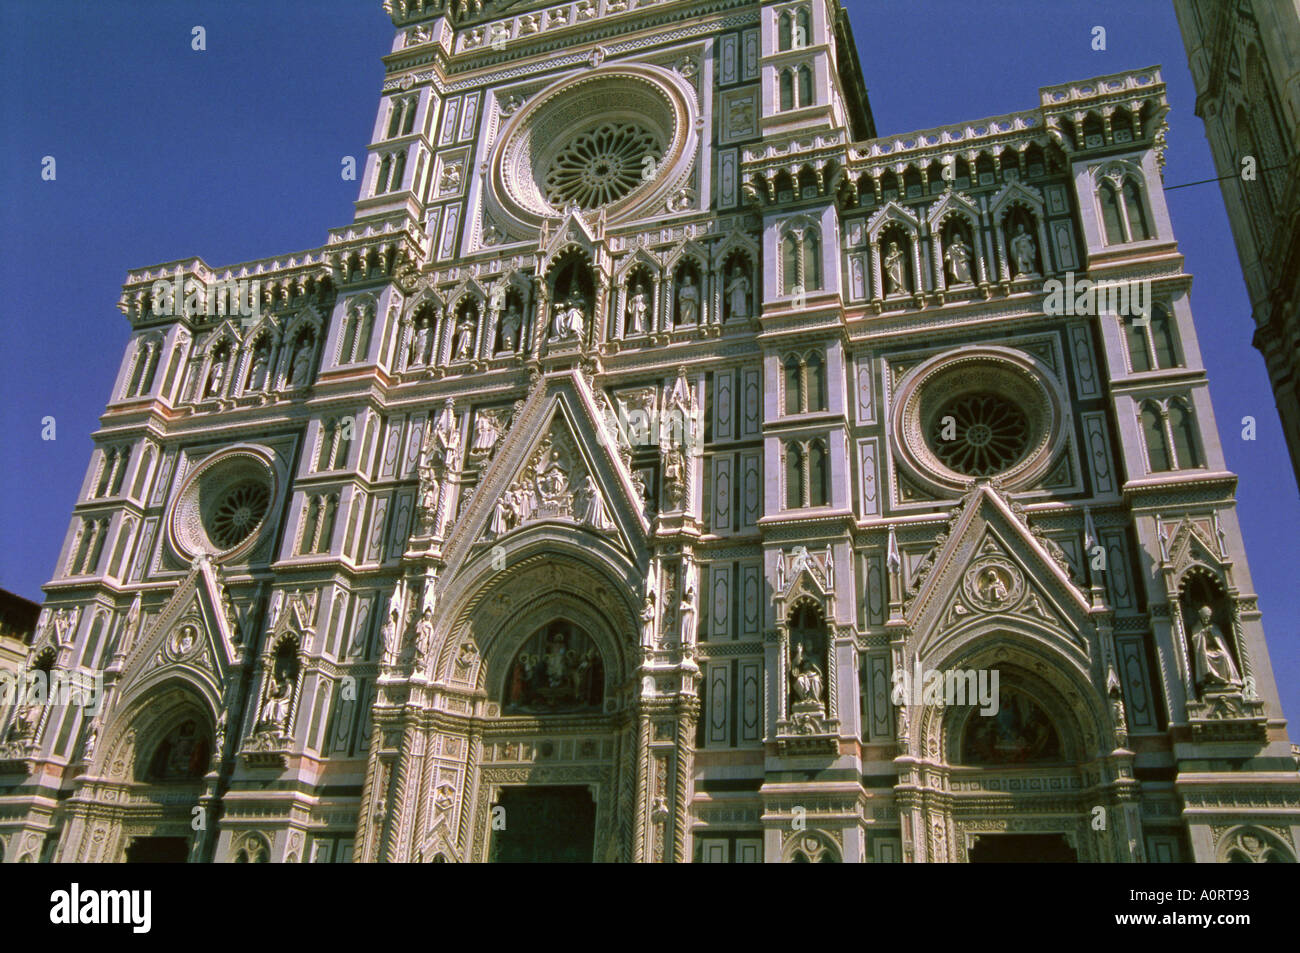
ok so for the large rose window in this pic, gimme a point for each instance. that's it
(980, 412)
(980, 434)
(224, 504)
(621, 139)
(237, 513)
(602, 165)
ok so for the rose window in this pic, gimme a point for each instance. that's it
(980, 434)
(223, 506)
(602, 165)
(238, 513)
(977, 413)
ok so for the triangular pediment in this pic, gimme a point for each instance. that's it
(556, 463)
(193, 637)
(991, 566)
(952, 201)
(1013, 191)
(1192, 543)
(573, 231)
(891, 211)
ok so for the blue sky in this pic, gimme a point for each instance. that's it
(234, 154)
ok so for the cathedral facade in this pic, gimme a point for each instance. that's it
(665, 466)
(1243, 56)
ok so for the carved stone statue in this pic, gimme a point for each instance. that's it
(577, 318)
(487, 431)
(1212, 663)
(1024, 252)
(302, 366)
(442, 445)
(591, 509)
(502, 514)
(429, 493)
(805, 678)
(958, 257)
(257, 375)
(738, 293)
(92, 739)
(420, 346)
(686, 609)
(674, 476)
(648, 621)
(392, 635)
(894, 270)
(464, 338)
(424, 636)
(688, 301)
(275, 710)
(215, 379)
(510, 324)
(637, 309)
(552, 479)
(450, 180)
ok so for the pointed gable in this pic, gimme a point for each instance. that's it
(192, 637)
(991, 564)
(559, 462)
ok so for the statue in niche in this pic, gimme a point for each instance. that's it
(185, 639)
(674, 476)
(275, 710)
(216, 377)
(958, 257)
(1024, 252)
(688, 301)
(419, 346)
(805, 678)
(648, 620)
(92, 739)
(894, 271)
(686, 609)
(1212, 663)
(577, 317)
(569, 320)
(302, 366)
(638, 308)
(738, 292)
(450, 180)
(232, 618)
(392, 634)
(1116, 695)
(424, 635)
(464, 338)
(257, 374)
(428, 495)
(510, 325)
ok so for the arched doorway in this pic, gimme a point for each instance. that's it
(557, 675)
(528, 719)
(1006, 779)
(157, 761)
